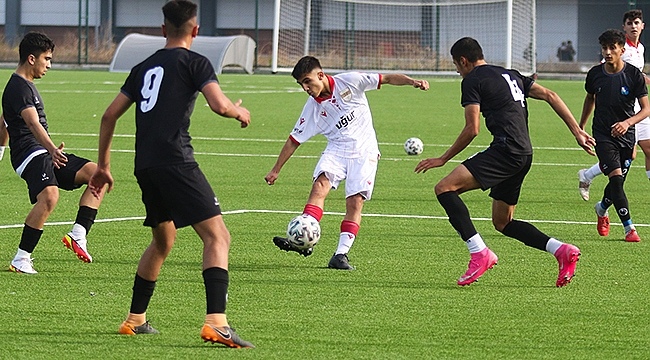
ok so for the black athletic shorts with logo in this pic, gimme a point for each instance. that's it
(41, 173)
(612, 156)
(179, 193)
(501, 172)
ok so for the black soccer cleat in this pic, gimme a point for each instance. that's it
(285, 245)
(340, 262)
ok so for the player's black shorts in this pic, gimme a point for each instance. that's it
(180, 193)
(612, 156)
(41, 173)
(501, 172)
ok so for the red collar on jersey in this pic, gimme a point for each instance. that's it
(629, 42)
(323, 98)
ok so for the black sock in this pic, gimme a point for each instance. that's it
(86, 217)
(526, 233)
(29, 239)
(619, 199)
(216, 289)
(142, 292)
(458, 214)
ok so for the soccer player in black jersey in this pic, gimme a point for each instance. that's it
(37, 160)
(500, 94)
(164, 88)
(612, 88)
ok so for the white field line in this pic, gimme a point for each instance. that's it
(400, 216)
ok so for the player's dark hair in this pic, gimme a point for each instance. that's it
(304, 66)
(611, 37)
(468, 48)
(177, 13)
(633, 14)
(34, 43)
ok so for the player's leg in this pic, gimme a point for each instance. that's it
(566, 255)
(75, 240)
(216, 245)
(619, 198)
(585, 177)
(447, 192)
(349, 230)
(44, 195)
(329, 172)
(645, 146)
(359, 185)
(163, 237)
(643, 139)
(46, 201)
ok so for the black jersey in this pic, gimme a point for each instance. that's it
(501, 94)
(164, 88)
(20, 94)
(615, 97)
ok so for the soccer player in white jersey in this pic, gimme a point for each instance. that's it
(633, 25)
(338, 109)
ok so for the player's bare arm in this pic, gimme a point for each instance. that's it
(288, 149)
(588, 107)
(31, 119)
(102, 176)
(4, 136)
(221, 104)
(466, 136)
(620, 128)
(585, 140)
(401, 79)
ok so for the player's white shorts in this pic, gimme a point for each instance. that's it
(643, 130)
(358, 173)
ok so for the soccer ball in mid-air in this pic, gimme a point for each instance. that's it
(303, 232)
(413, 146)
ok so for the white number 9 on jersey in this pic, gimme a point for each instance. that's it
(152, 80)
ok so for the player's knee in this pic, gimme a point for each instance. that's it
(48, 198)
(500, 223)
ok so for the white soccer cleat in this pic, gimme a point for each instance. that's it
(583, 185)
(23, 266)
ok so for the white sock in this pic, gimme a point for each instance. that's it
(599, 209)
(629, 228)
(648, 174)
(552, 245)
(22, 254)
(78, 232)
(592, 172)
(346, 240)
(475, 244)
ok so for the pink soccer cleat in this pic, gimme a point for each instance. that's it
(567, 257)
(479, 263)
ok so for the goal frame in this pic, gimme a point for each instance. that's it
(529, 57)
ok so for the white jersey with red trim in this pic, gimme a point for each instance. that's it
(344, 118)
(633, 55)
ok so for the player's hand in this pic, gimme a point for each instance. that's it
(421, 84)
(586, 141)
(620, 128)
(271, 177)
(58, 157)
(244, 116)
(427, 164)
(98, 182)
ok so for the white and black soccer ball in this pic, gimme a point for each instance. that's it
(413, 146)
(303, 232)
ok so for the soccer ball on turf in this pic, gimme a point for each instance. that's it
(413, 146)
(303, 232)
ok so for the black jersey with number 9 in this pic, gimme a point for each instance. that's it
(164, 88)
